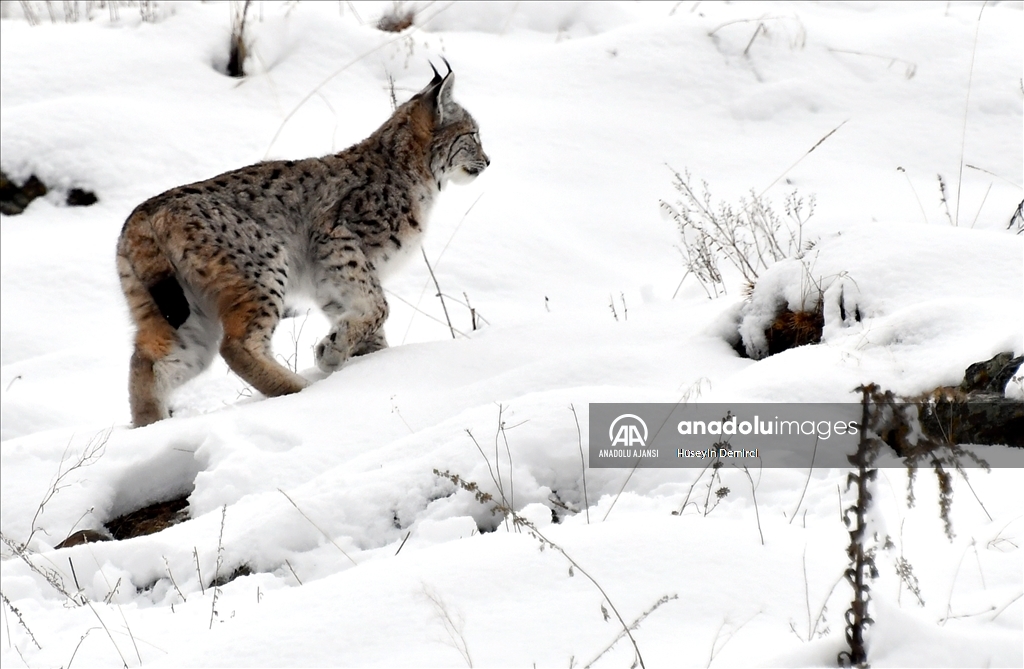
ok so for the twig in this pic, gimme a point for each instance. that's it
(51, 576)
(404, 539)
(759, 20)
(997, 176)
(85, 600)
(982, 205)
(633, 625)
(391, 90)
(439, 294)
(583, 462)
(753, 493)
(452, 627)
(420, 311)
(395, 410)
(967, 102)
(952, 587)
(292, 570)
(93, 450)
(472, 313)
(812, 625)
(908, 73)
(914, 191)
(621, 488)
(806, 482)
(714, 642)
(120, 611)
(326, 536)
(21, 621)
(807, 153)
(490, 470)
(689, 492)
(195, 554)
(171, 576)
(757, 31)
(497, 461)
(544, 540)
(943, 200)
(807, 591)
(437, 261)
(1004, 606)
(632, 471)
(323, 83)
(216, 569)
(971, 488)
(83, 637)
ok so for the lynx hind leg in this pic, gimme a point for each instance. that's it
(249, 315)
(169, 349)
(352, 298)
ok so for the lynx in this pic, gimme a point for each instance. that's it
(210, 264)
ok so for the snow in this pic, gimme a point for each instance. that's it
(585, 109)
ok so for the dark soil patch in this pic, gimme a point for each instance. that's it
(150, 519)
(83, 537)
(991, 376)
(794, 328)
(239, 571)
(81, 198)
(14, 198)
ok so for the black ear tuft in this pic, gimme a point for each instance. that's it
(437, 75)
(438, 93)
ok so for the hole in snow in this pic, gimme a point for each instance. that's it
(153, 495)
(149, 519)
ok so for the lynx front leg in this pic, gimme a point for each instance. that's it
(370, 344)
(352, 298)
(249, 321)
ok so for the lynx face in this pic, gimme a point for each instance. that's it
(456, 152)
(466, 159)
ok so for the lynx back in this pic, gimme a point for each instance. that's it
(207, 267)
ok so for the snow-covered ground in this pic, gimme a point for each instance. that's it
(563, 250)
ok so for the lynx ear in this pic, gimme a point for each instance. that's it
(438, 93)
(445, 94)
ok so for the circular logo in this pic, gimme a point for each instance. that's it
(630, 432)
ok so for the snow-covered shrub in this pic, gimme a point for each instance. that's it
(787, 307)
(748, 238)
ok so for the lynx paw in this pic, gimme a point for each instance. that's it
(331, 354)
(374, 342)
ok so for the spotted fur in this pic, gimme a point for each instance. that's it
(207, 266)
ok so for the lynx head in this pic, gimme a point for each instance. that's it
(456, 153)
